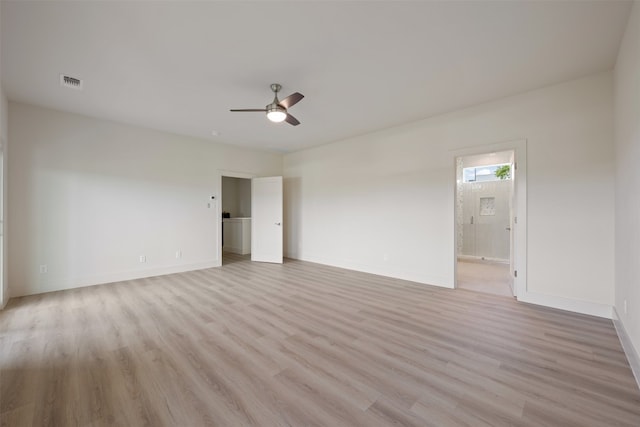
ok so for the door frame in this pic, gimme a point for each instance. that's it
(218, 208)
(519, 148)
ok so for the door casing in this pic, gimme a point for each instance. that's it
(519, 217)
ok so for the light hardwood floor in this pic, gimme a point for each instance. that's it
(302, 344)
(488, 277)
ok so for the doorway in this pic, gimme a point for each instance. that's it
(484, 222)
(236, 219)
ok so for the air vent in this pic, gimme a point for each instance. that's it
(72, 82)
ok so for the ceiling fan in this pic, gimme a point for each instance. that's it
(277, 110)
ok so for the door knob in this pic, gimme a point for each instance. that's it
(508, 228)
(277, 223)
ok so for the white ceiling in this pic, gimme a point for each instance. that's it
(362, 66)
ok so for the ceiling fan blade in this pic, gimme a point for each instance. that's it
(291, 120)
(292, 99)
(250, 110)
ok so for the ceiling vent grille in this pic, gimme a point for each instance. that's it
(72, 82)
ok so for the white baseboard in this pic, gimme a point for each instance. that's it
(562, 303)
(568, 304)
(141, 274)
(627, 346)
(80, 282)
(385, 270)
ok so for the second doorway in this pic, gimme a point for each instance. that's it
(236, 219)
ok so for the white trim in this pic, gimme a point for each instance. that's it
(234, 174)
(393, 272)
(568, 304)
(123, 276)
(139, 274)
(627, 346)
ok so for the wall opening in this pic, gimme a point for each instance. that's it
(236, 219)
(484, 222)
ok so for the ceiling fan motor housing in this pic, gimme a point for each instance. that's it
(276, 113)
(271, 108)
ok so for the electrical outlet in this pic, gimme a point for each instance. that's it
(44, 269)
(143, 258)
(624, 306)
(178, 254)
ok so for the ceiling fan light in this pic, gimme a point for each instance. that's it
(276, 114)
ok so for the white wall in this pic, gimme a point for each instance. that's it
(4, 182)
(4, 114)
(383, 202)
(230, 195)
(88, 197)
(4, 143)
(627, 148)
(244, 197)
(236, 198)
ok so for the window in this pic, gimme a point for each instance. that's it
(484, 173)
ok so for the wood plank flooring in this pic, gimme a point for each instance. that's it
(302, 344)
(484, 276)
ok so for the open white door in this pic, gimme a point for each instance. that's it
(266, 219)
